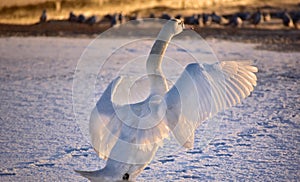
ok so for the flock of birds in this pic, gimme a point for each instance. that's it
(289, 19)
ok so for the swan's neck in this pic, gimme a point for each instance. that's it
(158, 81)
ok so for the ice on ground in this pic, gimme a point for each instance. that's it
(41, 140)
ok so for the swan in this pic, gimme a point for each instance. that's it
(128, 136)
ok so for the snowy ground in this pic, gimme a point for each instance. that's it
(258, 140)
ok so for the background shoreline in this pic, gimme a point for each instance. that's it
(284, 40)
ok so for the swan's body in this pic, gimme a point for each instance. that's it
(128, 136)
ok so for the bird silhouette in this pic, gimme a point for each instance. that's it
(43, 17)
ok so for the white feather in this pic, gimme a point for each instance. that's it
(202, 91)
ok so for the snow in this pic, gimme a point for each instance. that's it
(41, 140)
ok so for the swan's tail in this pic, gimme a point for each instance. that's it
(91, 175)
(96, 176)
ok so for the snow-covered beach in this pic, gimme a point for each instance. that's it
(259, 140)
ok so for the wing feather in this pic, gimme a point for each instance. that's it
(114, 125)
(240, 86)
(202, 91)
(104, 127)
(230, 94)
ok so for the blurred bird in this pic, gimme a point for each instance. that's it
(152, 15)
(295, 17)
(235, 21)
(165, 16)
(256, 18)
(206, 19)
(135, 16)
(218, 19)
(91, 20)
(114, 20)
(178, 16)
(244, 15)
(72, 17)
(43, 17)
(81, 18)
(286, 19)
(121, 18)
(193, 20)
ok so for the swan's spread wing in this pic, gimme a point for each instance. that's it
(120, 130)
(203, 90)
(104, 126)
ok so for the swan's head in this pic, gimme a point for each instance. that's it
(175, 25)
(171, 28)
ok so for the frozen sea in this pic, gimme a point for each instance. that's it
(258, 140)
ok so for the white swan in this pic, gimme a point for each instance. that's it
(128, 136)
